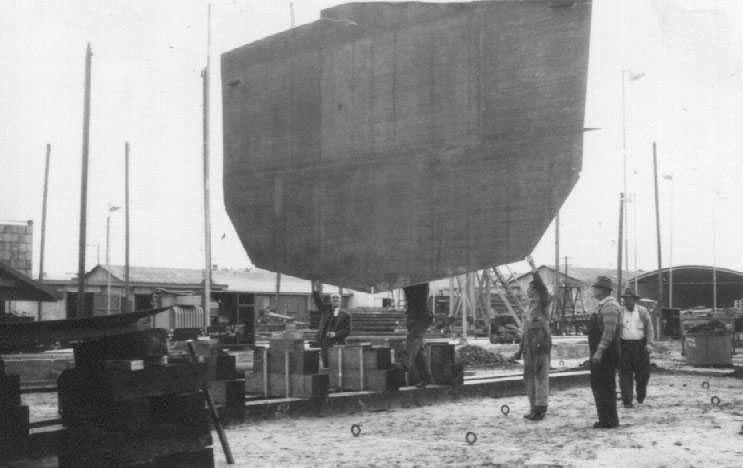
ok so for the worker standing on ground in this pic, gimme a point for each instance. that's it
(604, 329)
(419, 318)
(335, 323)
(536, 343)
(637, 335)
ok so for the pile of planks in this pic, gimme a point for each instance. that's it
(14, 417)
(363, 367)
(124, 404)
(287, 369)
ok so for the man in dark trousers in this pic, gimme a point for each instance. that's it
(637, 334)
(419, 318)
(604, 330)
(536, 343)
(335, 323)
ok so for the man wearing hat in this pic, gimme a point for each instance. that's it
(637, 334)
(604, 332)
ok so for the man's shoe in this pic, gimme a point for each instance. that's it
(599, 425)
(629, 405)
(529, 415)
(539, 413)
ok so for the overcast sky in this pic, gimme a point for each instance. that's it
(147, 90)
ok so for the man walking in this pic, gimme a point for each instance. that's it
(637, 334)
(604, 329)
(535, 347)
(419, 318)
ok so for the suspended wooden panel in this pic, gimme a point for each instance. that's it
(395, 143)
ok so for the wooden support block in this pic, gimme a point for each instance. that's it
(14, 423)
(188, 409)
(144, 344)
(300, 386)
(355, 356)
(124, 364)
(10, 391)
(153, 381)
(226, 367)
(286, 344)
(300, 362)
(374, 380)
(230, 393)
(81, 447)
(203, 458)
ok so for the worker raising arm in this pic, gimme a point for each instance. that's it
(335, 323)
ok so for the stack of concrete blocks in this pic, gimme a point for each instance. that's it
(14, 417)
(125, 405)
(363, 367)
(287, 369)
(16, 246)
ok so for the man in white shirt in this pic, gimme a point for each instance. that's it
(637, 335)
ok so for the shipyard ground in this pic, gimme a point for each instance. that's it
(676, 427)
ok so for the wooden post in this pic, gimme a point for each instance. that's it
(278, 291)
(127, 309)
(556, 286)
(84, 189)
(207, 213)
(619, 246)
(43, 221)
(657, 228)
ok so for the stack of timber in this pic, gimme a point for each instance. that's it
(420, 116)
(363, 368)
(124, 404)
(287, 369)
(14, 417)
(371, 321)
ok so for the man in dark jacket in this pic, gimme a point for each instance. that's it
(604, 332)
(419, 318)
(535, 347)
(335, 323)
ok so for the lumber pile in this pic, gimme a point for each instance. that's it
(370, 321)
(124, 404)
(286, 369)
(363, 368)
(14, 416)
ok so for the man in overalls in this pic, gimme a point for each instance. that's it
(535, 346)
(604, 330)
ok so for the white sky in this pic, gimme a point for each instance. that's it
(147, 90)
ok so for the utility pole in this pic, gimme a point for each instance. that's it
(111, 209)
(84, 189)
(43, 221)
(556, 285)
(657, 227)
(207, 214)
(126, 228)
(620, 244)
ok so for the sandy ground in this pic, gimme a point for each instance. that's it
(676, 427)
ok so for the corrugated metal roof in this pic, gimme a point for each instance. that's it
(254, 280)
(152, 275)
